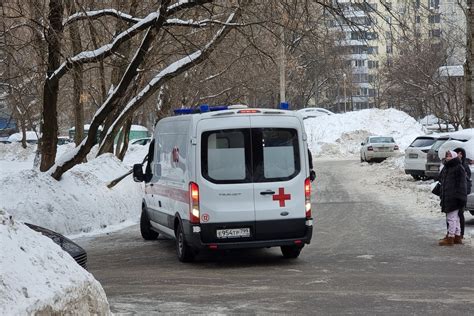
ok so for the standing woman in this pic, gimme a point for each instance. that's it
(453, 196)
(464, 162)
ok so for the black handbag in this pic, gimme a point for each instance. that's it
(437, 189)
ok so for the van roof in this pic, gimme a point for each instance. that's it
(234, 111)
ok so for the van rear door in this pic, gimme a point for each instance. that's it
(224, 173)
(280, 165)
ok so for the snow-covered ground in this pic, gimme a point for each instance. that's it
(38, 277)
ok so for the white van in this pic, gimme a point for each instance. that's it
(228, 179)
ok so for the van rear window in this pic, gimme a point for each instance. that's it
(250, 155)
(225, 156)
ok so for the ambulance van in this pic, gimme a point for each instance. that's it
(228, 178)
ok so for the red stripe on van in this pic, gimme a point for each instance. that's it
(170, 192)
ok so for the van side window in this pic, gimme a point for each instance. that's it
(225, 156)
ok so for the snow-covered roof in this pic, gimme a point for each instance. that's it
(451, 71)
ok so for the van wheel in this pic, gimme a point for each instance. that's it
(145, 227)
(185, 253)
(416, 177)
(291, 252)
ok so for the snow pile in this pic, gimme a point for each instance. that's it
(38, 277)
(79, 203)
(391, 180)
(15, 152)
(341, 134)
(17, 137)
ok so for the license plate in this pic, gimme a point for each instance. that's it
(412, 155)
(384, 149)
(434, 168)
(233, 233)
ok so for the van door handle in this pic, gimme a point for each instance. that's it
(268, 192)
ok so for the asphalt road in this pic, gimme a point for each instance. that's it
(367, 257)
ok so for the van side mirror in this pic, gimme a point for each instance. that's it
(138, 173)
(362, 144)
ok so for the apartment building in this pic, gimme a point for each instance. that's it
(371, 30)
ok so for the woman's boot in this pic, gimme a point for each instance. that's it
(458, 240)
(449, 241)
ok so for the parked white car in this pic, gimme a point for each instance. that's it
(415, 156)
(313, 112)
(378, 148)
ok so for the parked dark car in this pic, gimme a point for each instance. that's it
(432, 160)
(456, 139)
(73, 249)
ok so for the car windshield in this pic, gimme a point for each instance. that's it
(422, 142)
(381, 140)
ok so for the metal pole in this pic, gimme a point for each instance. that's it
(282, 67)
(345, 92)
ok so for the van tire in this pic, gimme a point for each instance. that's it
(185, 253)
(145, 227)
(291, 252)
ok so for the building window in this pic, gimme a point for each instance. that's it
(358, 35)
(418, 19)
(435, 33)
(373, 64)
(434, 4)
(389, 49)
(373, 50)
(359, 63)
(435, 18)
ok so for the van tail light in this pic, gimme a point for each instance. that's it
(194, 203)
(307, 197)
(396, 147)
(370, 148)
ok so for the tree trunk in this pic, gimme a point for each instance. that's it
(77, 74)
(103, 88)
(468, 110)
(49, 125)
(126, 137)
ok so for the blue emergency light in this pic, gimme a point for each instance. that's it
(201, 109)
(284, 105)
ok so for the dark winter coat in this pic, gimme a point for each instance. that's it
(468, 176)
(453, 186)
(465, 164)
